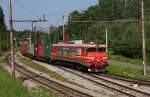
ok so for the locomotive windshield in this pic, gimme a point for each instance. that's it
(95, 50)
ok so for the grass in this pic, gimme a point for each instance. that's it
(125, 59)
(45, 70)
(1, 60)
(127, 72)
(41, 68)
(41, 91)
(2, 53)
(12, 87)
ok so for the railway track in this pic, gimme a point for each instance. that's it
(98, 80)
(67, 91)
(131, 80)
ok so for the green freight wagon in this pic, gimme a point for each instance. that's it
(47, 51)
(31, 49)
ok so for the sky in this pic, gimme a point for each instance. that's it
(35, 9)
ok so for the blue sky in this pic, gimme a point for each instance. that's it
(34, 9)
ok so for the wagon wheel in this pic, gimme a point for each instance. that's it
(79, 67)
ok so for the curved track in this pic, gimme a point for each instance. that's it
(99, 81)
(109, 84)
(67, 91)
(131, 80)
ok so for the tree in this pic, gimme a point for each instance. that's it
(124, 37)
(3, 31)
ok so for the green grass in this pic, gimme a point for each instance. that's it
(127, 72)
(12, 87)
(45, 70)
(3, 53)
(1, 60)
(42, 92)
(41, 68)
(137, 61)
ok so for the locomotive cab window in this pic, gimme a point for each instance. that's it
(88, 50)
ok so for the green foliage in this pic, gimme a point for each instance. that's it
(3, 32)
(124, 37)
(11, 87)
(125, 59)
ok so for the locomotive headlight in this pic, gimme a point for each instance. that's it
(105, 58)
(92, 59)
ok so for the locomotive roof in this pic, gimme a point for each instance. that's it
(79, 45)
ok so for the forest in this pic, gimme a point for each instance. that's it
(122, 20)
(3, 32)
(120, 17)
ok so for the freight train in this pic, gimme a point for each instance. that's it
(76, 54)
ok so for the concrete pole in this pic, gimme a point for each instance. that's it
(35, 34)
(32, 24)
(63, 22)
(0, 47)
(11, 38)
(143, 37)
(106, 40)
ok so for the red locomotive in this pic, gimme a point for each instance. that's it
(77, 54)
(82, 56)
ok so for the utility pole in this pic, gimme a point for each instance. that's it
(35, 33)
(63, 21)
(32, 28)
(11, 38)
(143, 37)
(106, 40)
(51, 34)
(0, 46)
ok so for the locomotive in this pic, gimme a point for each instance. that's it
(76, 54)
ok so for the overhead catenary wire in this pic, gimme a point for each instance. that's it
(26, 8)
(82, 21)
